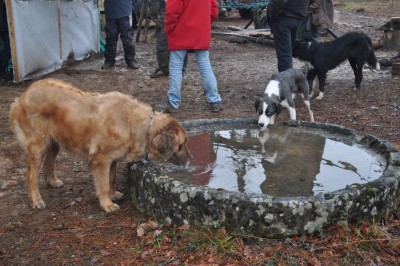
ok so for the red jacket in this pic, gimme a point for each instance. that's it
(188, 23)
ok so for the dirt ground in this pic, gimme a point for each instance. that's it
(72, 229)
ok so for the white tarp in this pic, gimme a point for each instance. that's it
(45, 33)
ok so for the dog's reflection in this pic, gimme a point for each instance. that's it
(290, 160)
(271, 153)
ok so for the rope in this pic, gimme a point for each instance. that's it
(242, 4)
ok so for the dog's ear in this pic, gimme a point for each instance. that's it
(305, 69)
(257, 103)
(165, 142)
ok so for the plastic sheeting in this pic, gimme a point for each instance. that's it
(47, 33)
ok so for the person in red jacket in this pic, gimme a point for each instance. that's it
(188, 28)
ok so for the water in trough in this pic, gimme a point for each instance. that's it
(280, 162)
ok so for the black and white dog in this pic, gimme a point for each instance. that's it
(324, 56)
(280, 92)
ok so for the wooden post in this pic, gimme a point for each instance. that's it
(12, 40)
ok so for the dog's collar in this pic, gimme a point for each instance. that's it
(147, 147)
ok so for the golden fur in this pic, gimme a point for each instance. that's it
(106, 127)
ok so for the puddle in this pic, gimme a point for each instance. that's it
(280, 162)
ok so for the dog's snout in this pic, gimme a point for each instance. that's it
(261, 124)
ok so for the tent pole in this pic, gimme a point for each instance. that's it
(12, 40)
(59, 27)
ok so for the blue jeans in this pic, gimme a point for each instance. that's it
(175, 76)
(285, 31)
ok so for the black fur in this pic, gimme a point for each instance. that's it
(324, 56)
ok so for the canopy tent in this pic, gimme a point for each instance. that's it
(44, 34)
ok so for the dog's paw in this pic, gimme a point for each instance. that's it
(111, 207)
(320, 96)
(116, 195)
(55, 182)
(38, 204)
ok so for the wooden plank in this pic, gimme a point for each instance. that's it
(241, 38)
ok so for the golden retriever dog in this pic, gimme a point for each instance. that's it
(106, 128)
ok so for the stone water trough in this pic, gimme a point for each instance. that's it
(290, 180)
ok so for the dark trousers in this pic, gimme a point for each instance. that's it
(119, 27)
(305, 35)
(162, 41)
(162, 51)
(5, 54)
(284, 30)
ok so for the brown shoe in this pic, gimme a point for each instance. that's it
(166, 108)
(158, 74)
(215, 107)
(132, 65)
(107, 66)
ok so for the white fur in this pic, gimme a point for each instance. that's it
(378, 66)
(264, 137)
(265, 120)
(307, 103)
(272, 88)
(320, 96)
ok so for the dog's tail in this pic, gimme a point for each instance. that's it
(372, 60)
(14, 115)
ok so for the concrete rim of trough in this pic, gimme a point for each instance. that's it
(260, 214)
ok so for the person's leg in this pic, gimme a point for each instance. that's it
(302, 33)
(110, 51)
(126, 35)
(175, 77)
(293, 25)
(314, 35)
(207, 74)
(5, 55)
(162, 51)
(285, 31)
(135, 13)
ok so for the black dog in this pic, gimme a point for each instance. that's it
(324, 56)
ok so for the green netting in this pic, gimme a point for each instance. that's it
(9, 68)
(242, 4)
(102, 45)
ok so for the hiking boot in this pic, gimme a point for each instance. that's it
(215, 107)
(132, 65)
(158, 74)
(166, 108)
(107, 65)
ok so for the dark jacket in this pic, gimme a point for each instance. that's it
(115, 9)
(288, 8)
(320, 14)
(295, 8)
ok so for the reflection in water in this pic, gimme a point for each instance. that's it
(280, 162)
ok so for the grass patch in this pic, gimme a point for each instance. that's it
(204, 239)
(379, 7)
